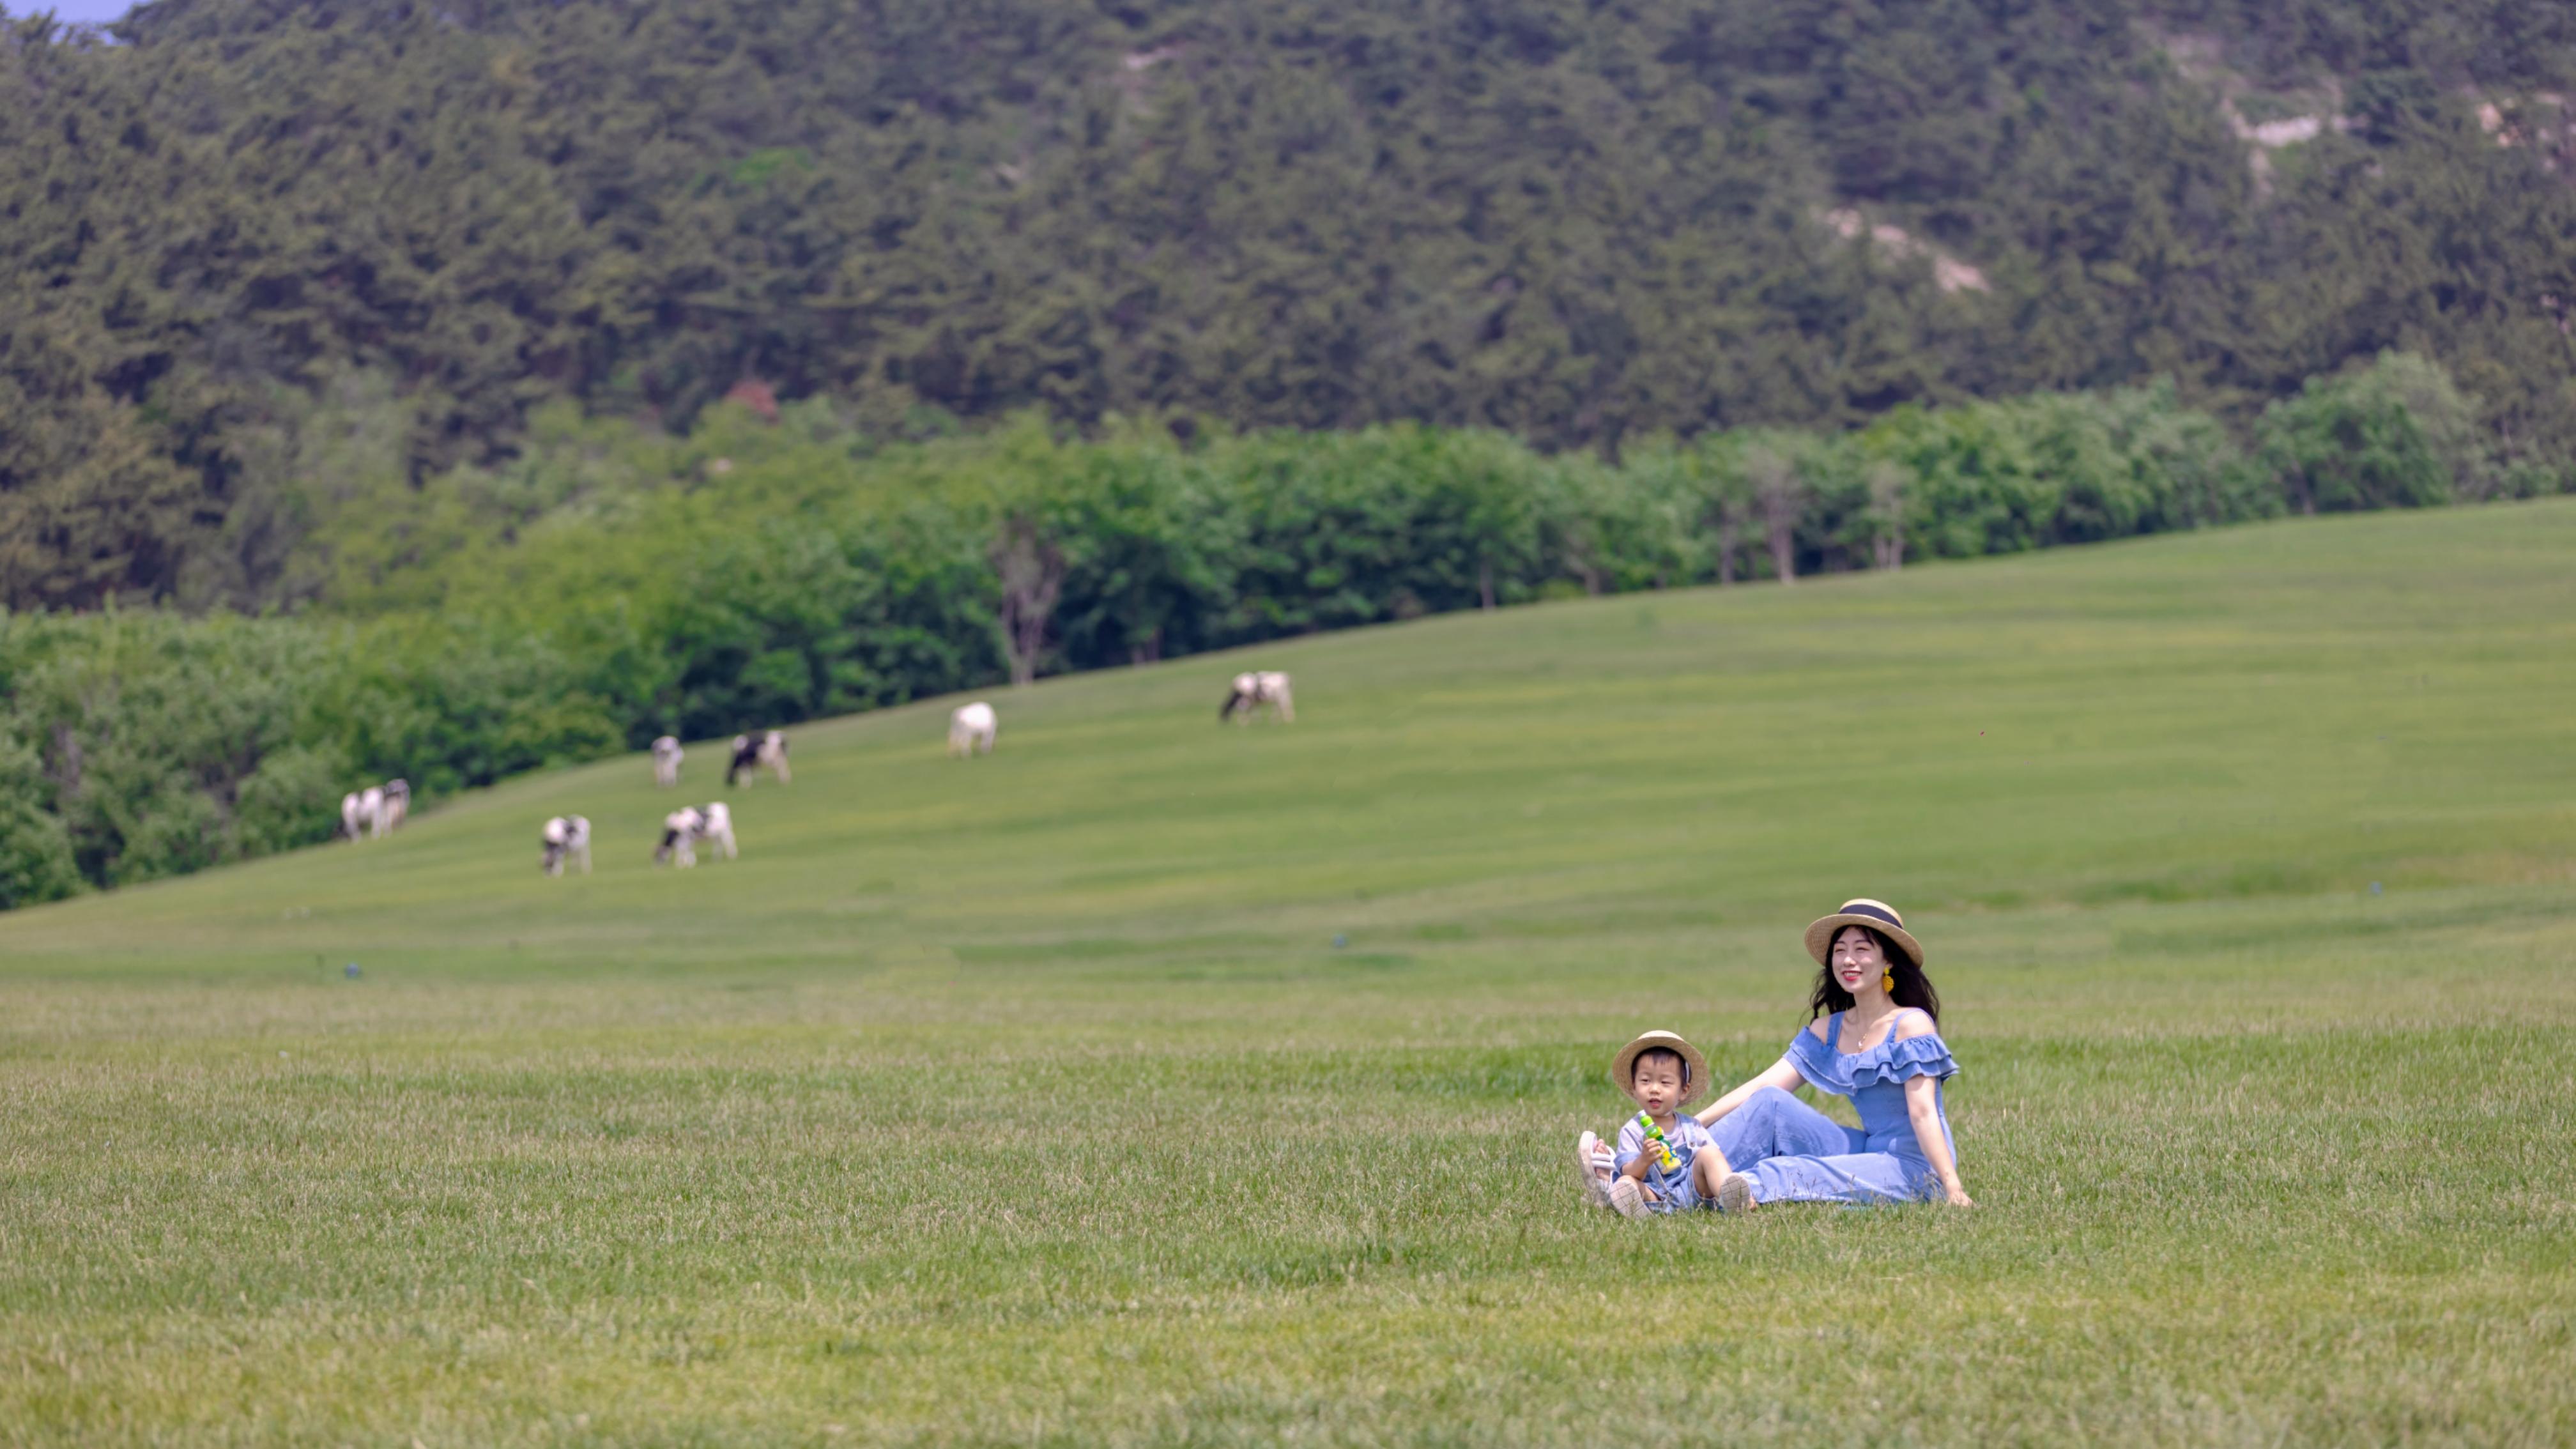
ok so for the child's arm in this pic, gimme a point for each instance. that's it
(1632, 1159)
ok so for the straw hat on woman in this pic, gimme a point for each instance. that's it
(1872, 1035)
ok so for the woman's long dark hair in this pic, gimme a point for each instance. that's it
(1913, 988)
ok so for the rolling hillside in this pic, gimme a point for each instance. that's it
(2280, 710)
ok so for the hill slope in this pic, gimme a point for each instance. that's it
(1031, 1097)
(2277, 709)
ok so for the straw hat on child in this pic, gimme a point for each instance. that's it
(1623, 1067)
(1879, 916)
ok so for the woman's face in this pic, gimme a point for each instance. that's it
(1855, 959)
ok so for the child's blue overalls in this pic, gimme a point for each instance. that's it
(1672, 1187)
(1795, 1153)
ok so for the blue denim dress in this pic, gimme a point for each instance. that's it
(1795, 1153)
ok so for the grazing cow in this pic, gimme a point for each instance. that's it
(666, 762)
(753, 753)
(363, 814)
(679, 837)
(1251, 691)
(397, 806)
(565, 836)
(971, 728)
(715, 826)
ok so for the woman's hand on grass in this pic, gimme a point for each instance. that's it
(1959, 1197)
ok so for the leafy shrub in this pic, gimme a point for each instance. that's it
(36, 862)
(2394, 434)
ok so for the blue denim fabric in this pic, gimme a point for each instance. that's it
(1794, 1153)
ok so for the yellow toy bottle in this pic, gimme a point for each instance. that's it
(1663, 1149)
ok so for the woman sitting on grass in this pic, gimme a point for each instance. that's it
(1873, 1035)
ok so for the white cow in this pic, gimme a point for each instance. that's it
(666, 762)
(971, 728)
(753, 753)
(362, 814)
(565, 836)
(679, 837)
(715, 826)
(1251, 691)
(397, 807)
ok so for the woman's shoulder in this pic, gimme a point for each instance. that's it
(1811, 1054)
(1913, 1049)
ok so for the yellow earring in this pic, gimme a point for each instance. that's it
(1887, 982)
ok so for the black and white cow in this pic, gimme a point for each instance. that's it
(680, 831)
(565, 837)
(666, 761)
(754, 753)
(1252, 691)
(375, 812)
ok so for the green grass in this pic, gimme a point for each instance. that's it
(1027, 1101)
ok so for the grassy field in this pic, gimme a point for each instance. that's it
(1031, 1100)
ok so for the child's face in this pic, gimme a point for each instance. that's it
(1657, 1085)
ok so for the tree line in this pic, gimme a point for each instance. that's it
(1584, 224)
(612, 583)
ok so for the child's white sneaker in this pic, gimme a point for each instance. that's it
(1629, 1200)
(1735, 1193)
(1592, 1169)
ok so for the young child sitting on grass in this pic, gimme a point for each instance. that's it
(1660, 1072)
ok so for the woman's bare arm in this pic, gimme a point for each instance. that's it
(1782, 1074)
(1923, 1108)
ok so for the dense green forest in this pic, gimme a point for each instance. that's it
(449, 390)
(1578, 221)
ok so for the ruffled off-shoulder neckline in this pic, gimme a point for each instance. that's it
(1889, 1061)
